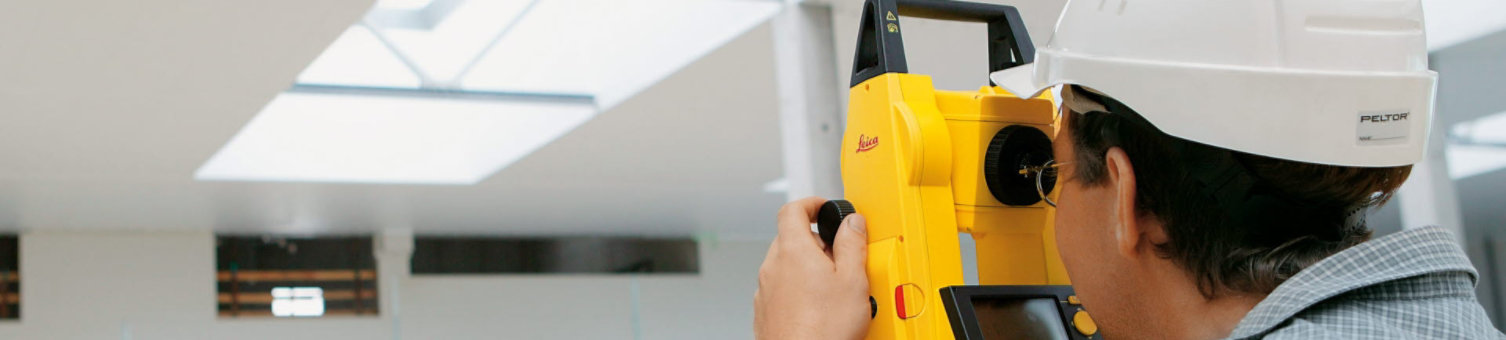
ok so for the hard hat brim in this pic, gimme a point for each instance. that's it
(1019, 80)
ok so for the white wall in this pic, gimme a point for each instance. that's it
(92, 285)
(160, 285)
(717, 304)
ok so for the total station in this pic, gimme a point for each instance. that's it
(923, 165)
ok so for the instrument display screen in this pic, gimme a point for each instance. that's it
(1016, 312)
(1010, 319)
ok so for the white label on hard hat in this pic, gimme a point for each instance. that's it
(1383, 127)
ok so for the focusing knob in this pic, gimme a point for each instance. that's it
(830, 218)
(1014, 148)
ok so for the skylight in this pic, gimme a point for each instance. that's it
(1477, 146)
(608, 48)
(359, 58)
(450, 91)
(403, 4)
(1466, 161)
(331, 137)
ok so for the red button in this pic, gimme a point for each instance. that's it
(899, 301)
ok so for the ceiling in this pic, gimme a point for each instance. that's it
(108, 108)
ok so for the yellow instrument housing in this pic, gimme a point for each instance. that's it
(912, 164)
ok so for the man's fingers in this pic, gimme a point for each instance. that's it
(795, 217)
(816, 238)
(851, 249)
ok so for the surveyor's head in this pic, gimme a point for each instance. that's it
(1139, 207)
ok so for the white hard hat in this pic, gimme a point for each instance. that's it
(1339, 82)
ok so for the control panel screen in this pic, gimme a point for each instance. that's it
(1016, 318)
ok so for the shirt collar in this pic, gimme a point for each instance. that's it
(1401, 255)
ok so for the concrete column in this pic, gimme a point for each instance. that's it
(393, 248)
(811, 119)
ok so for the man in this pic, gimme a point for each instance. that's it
(1214, 182)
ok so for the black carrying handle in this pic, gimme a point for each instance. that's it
(880, 49)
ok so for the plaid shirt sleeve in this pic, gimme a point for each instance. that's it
(1415, 284)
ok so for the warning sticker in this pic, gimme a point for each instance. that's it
(1383, 127)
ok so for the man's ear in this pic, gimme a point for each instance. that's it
(1128, 228)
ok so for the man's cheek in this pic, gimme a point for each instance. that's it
(1070, 239)
(1067, 240)
(1071, 251)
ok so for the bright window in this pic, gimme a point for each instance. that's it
(297, 301)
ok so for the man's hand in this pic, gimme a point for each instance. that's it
(806, 292)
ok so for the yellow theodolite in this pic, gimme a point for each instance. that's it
(923, 165)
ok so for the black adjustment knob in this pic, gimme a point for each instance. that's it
(830, 218)
(1014, 148)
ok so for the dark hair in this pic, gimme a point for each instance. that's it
(1288, 216)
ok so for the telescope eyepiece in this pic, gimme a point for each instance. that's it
(1013, 152)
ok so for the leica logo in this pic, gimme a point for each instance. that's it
(866, 143)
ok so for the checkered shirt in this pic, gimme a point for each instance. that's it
(1414, 284)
